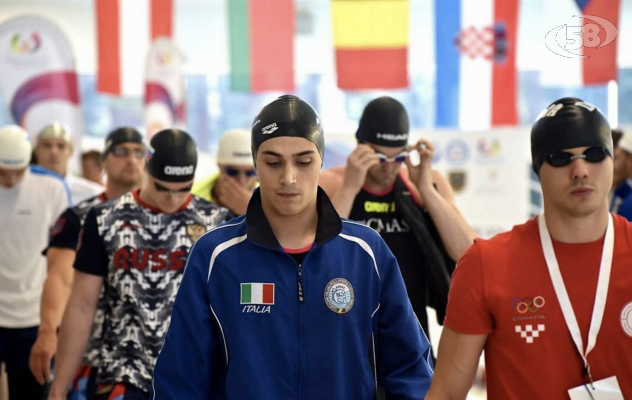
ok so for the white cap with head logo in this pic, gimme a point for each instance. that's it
(235, 149)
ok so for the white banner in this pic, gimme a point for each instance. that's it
(164, 87)
(37, 75)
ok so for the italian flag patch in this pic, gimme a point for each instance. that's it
(257, 293)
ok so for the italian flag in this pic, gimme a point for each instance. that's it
(257, 293)
(261, 34)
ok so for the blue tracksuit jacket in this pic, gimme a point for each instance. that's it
(249, 322)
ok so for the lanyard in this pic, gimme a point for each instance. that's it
(562, 294)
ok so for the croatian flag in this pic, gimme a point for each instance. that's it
(476, 81)
(125, 30)
(582, 51)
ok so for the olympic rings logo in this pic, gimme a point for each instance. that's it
(527, 304)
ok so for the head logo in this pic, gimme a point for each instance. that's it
(528, 333)
(268, 129)
(568, 41)
(339, 295)
(527, 304)
(392, 137)
(25, 46)
(626, 319)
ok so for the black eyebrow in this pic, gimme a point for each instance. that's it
(301, 154)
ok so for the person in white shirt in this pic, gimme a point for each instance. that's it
(53, 151)
(31, 199)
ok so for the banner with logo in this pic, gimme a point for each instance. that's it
(490, 173)
(37, 75)
(164, 87)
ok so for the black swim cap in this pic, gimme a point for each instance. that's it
(384, 122)
(565, 124)
(287, 116)
(121, 135)
(172, 156)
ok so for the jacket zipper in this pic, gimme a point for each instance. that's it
(301, 344)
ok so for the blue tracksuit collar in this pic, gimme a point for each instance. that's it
(259, 230)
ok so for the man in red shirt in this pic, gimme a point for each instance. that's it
(550, 302)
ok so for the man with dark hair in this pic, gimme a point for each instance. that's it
(290, 301)
(92, 166)
(550, 301)
(412, 208)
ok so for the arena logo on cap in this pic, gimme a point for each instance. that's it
(179, 171)
(268, 129)
(392, 137)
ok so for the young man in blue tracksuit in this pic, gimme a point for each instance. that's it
(290, 301)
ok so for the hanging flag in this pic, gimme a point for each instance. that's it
(581, 51)
(37, 75)
(476, 81)
(125, 29)
(164, 87)
(371, 42)
(261, 38)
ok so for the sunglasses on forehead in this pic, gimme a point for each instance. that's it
(398, 158)
(162, 188)
(563, 158)
(234, 172)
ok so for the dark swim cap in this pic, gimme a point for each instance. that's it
(121, 135)
(384, 122)
(287, 116)
(172, 156)
(565, 124)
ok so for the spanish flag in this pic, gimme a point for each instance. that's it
(261, 35)
(371, 41)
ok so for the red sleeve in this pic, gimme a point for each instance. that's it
(468, 310)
